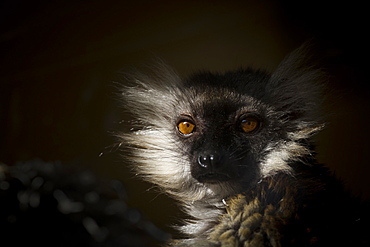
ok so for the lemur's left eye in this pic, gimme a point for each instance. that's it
(249, 124)
(186, 128)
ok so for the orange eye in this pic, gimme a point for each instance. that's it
(186, 128)
(249, 124)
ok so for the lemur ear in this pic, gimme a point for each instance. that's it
(296, 86)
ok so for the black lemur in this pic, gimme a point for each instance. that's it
(234, 149)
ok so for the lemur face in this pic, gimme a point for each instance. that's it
(221, 147)
(222, 136)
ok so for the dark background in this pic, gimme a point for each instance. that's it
(59, 61)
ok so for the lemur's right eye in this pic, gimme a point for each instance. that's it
(186, 128)
(249, 124)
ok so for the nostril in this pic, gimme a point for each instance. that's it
(202, 161)
(206, 161)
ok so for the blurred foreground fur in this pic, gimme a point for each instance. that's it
(234, 149)
(47, 204)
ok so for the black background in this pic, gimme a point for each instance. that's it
(59, 61)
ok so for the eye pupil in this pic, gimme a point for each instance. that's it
(185, 128)
(249, 124)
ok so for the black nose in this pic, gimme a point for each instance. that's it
(207, 160)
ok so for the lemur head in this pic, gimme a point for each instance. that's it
(212, 135)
